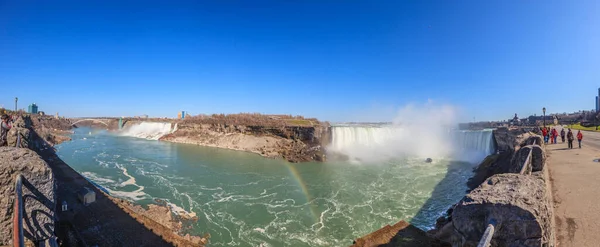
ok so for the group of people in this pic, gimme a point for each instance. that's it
(550, 135)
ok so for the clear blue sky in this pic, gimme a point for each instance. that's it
(360, 60)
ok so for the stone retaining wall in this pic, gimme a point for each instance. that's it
(521, 205)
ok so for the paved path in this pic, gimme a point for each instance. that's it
(576, 187)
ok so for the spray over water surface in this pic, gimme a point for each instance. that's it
(243, 199)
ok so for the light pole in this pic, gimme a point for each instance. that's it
(544, 111)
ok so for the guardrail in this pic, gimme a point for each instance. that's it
(489, 231)
(528, 161)
(18, 239)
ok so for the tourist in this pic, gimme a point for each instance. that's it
(545, 134)
(579, 137)
(4, 128)
(554, 135)
(562, 135)
(570, 138)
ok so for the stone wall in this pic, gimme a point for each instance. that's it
(518, 204)
(38, 194)
(521, 205)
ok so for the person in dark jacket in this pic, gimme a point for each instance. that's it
(562, 135)
(570, 138)
(4, 128)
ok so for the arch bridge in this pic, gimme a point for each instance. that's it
(105, 122)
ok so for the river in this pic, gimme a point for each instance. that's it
(243, 199)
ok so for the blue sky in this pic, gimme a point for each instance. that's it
(350, 61)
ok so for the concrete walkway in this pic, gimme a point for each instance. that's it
(575, 181)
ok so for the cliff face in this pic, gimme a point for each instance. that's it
(292, 143)
(507, 143)
(38, 193)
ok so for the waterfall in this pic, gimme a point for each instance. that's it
(388, 141)
(475, 141)
(148, 130)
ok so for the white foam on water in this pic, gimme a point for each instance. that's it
(180, 211)
(98, 179)
(148, 130)
(130, 181)
(135, 195)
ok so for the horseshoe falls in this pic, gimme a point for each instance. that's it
(243, 199)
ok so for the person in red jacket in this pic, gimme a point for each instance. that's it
(579, 137)
(545, 134)
(554, 135)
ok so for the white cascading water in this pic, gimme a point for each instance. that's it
(148, 130)
(480, 141)
(364, 142)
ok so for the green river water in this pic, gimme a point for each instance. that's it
(243, 199)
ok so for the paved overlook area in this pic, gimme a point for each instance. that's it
(576, 185)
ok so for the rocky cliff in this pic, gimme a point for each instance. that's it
(38, 194)
(107, 222)
(292, 143)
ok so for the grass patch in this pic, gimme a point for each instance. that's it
(298, 122)
(579, 127)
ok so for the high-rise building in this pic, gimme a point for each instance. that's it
(33, 108)
(597, 104)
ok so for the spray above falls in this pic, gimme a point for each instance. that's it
(426, 131)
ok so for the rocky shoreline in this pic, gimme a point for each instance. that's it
(40, 134)
(294, 139)
(292, 143)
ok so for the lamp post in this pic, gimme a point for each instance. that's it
(544, 111)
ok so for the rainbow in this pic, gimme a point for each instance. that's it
(298, 177)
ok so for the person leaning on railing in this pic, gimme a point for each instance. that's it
(4, 128)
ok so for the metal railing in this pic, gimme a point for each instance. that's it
(18, 239)
(488, 234)
(528, 161)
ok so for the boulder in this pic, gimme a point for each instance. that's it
(13, 137)
(519, 204)
(538, 159)
(38, 194)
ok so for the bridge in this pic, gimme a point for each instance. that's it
(105, 121)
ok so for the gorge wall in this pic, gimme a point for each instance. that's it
(292, 143)
(47, 180)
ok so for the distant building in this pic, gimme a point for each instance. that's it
(181, 115)
(598, 101)
(33, 108)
